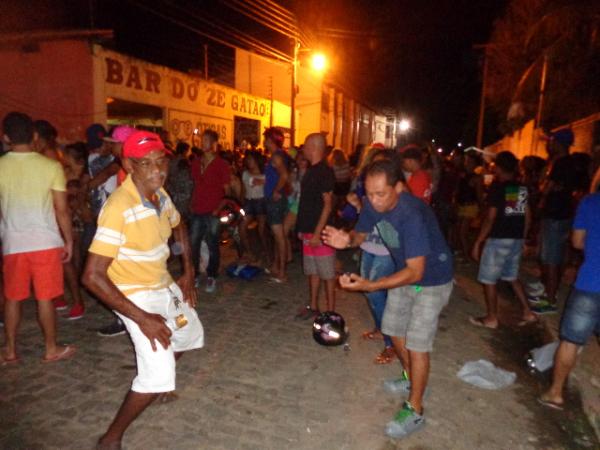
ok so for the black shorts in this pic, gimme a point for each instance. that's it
(276, 211)
(255, 207)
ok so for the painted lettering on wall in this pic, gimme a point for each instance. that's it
(140, 78)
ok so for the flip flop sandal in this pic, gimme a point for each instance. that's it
(478, 322)
(9, 361)
(368, 335)
(383, 358)
(524, 323)
(550, 404)
(67, 352)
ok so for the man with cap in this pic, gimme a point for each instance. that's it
(117, 138)
(557, 212)
(127, 270)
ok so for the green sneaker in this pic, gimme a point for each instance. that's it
(544, 308)
(406, 421)
(400, 386)
(397, 385)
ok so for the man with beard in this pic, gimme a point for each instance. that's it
(127, 270)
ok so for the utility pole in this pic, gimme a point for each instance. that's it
(271, 98)
(482, 100)
(92, 11)
(294, 92)
(538, 116)
(484, 82)
(206, 61)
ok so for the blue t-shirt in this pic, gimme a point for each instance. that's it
(410, 230)
(588, 219)
(271, 177)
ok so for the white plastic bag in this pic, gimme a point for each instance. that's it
(542, 358)
(485, 375)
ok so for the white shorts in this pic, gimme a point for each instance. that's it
(156, 369)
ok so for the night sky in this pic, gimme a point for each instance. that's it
(415, 57)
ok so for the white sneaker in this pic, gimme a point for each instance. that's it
(211, 285)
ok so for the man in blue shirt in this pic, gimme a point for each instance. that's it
(581, 317)
(417, 291)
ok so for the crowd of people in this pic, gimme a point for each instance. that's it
(103, 216)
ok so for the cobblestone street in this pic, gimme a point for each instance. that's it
(261, 382)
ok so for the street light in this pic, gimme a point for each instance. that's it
(318, 62)
(404, 125)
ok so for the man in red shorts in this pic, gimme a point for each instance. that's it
(33, 213)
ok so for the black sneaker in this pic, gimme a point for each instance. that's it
(114, 329)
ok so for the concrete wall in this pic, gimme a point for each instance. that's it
(528, 141)
(54, 82)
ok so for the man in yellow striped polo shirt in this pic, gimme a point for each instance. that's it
(127, 270)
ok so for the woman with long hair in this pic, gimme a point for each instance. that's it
(253, 180)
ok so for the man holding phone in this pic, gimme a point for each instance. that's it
(417, 291)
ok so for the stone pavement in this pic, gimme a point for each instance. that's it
(261, 382)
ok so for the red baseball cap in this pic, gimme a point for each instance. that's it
(140, 143)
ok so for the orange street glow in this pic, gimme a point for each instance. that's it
(319, 62)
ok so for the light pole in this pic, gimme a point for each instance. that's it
(319, 64)
(294, 92)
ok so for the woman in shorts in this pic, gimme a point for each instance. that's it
(253, 180)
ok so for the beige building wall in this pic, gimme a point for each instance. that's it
(344, 121)
(529, 141)
(266, 77)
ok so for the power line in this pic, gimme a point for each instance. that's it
(278, 9)
(258, 18)
(264, 13)
(271, 7)
(265, 51)
(227, 29)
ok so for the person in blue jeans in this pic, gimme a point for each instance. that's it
(212, 182)
(376, 261)
(581, 317)
(375, 264)
(503, 231)
(557, 211)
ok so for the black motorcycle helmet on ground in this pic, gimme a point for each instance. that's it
(329, 329)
